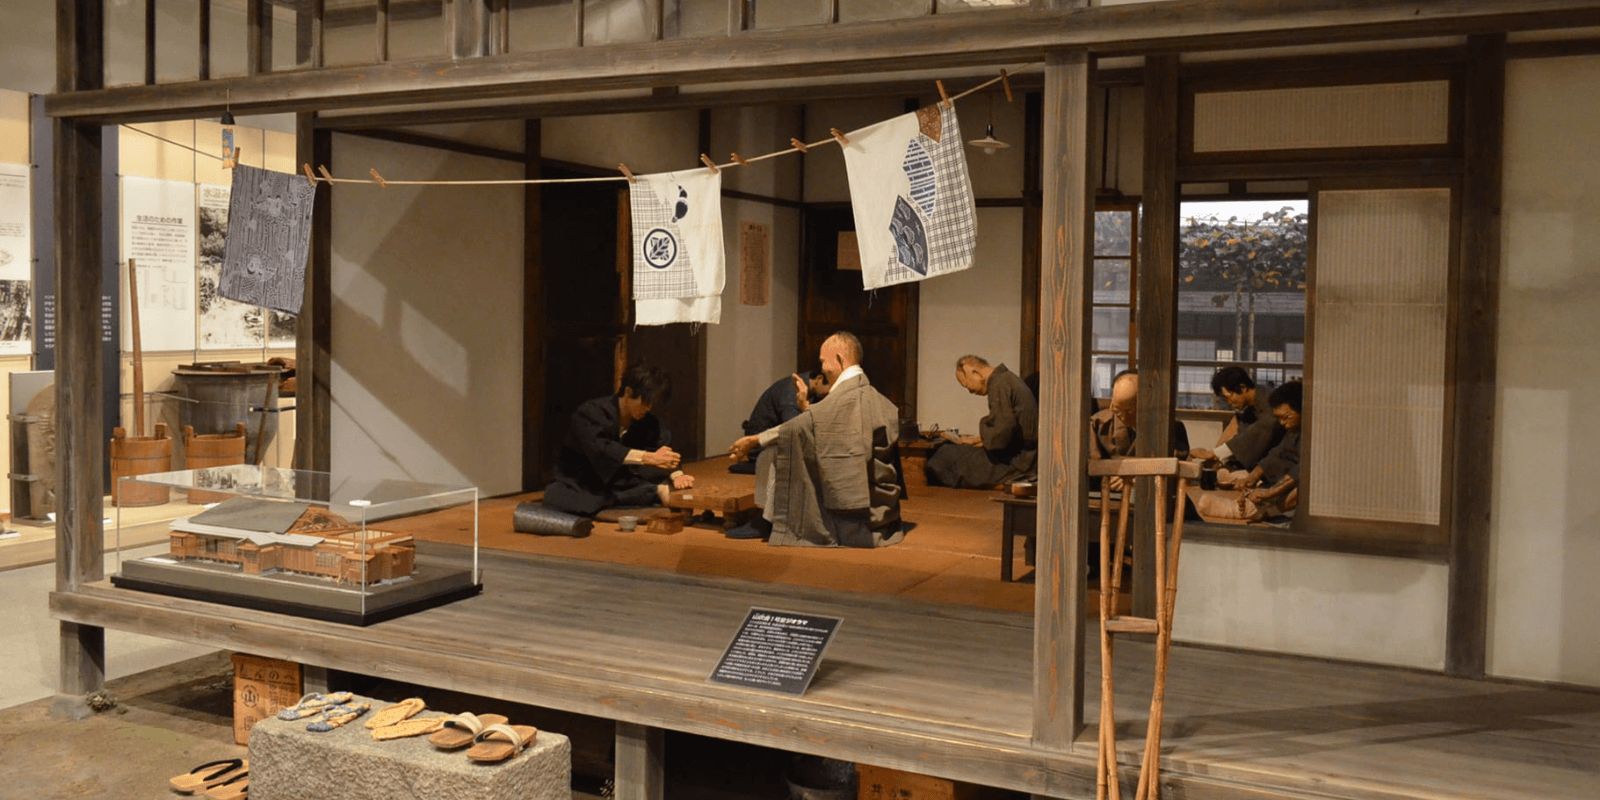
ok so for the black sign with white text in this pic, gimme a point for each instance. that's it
(776, 650)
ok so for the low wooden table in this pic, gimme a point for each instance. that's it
(913, 458)
(729, 508)
(1020, 518)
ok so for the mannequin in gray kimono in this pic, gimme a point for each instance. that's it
(826, 478)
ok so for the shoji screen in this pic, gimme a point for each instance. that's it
(1380, 315)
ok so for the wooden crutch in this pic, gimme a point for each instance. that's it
(1167, 590)
(1110, 586)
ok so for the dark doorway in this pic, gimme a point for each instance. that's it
(588, 335)
(831, 299)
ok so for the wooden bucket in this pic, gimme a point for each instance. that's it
(139, 455)
(212, 450)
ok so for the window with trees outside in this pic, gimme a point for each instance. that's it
(1116, 256)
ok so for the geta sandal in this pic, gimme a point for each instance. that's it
(459, 730)
(234, 788)
(501, 742)
(207, 775)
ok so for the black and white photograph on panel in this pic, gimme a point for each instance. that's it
(280, 328)
(269, 235)
(16, 248)
(224, 323)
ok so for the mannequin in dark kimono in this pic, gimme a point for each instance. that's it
(615, 452)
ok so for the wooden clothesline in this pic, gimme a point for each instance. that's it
(627, 175)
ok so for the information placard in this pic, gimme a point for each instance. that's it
(776, 650)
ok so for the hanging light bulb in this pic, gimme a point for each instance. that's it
(988, 144)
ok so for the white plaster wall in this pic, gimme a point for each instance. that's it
(1379, 610)
(977, 311)
(754, 345)
(427, 320)
(1546, 506)
(659, 141)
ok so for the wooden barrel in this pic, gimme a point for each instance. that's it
(211, 450)
(139, 455)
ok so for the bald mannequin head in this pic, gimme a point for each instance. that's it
(1125, 398)
(839, 351)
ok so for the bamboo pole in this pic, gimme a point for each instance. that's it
(138, 355)
(1153, 732)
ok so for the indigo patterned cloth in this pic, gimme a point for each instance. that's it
(269, 236)
(915, 218)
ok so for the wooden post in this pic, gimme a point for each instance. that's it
(380, 33)
(1063, 488)
(314, 326)
(138, 349)
(204, 27)
(1157, 303)
(81, 452)
(1032, 128)
(640, 761)
(1476, 326)
(534, 472)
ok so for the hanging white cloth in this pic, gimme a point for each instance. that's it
(915, 218)
(678, 259)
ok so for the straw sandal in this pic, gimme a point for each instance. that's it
(207, 775)
(313, 703)
(408, 727)
(403, 710)
(334, 716)
(234, 788)
(460, 730)
(501, 742)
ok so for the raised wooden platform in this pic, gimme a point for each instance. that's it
(932, 688)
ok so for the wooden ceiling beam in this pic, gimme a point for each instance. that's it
(812, 53)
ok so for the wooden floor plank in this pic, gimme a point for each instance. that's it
(932, 687)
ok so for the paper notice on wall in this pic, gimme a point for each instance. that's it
(16, 261)
(158, 233)
(224, 323)
(755, 278)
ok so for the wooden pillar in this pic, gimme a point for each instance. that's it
(534, 470)
(1058, 627)
(1157, 302)
(1033, 129)
(314, 326)
(640, 773)
(258, 37)
(1476, 330)
(80, 449)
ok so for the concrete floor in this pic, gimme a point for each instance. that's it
(30, 639)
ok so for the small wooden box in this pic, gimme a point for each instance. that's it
(667, 523)
(261, 686)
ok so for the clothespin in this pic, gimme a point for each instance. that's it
(798, 145)
(311, 179)
(627, 172)
(944, 97)
(327, 176)
(379, 178)
(712, 165)
(1005, 80)
(839, 137)
(738, 159)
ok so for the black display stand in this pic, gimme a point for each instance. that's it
(430, 585)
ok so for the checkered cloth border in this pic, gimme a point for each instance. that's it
(649, 283)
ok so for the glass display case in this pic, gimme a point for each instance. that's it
(305, 543)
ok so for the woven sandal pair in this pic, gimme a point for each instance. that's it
(396, 721)
(312, 704)
(229, 778)
(491, 739)
(335, 716)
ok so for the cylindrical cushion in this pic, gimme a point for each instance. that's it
(536, 519)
